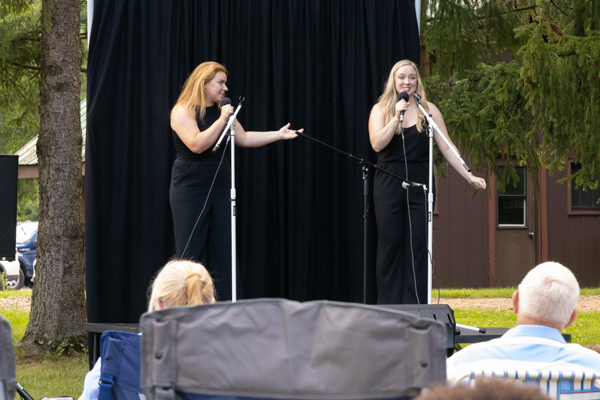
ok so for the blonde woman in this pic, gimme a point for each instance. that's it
(401, 266)
(197, 120)
(178, 283)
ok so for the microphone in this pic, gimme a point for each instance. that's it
(402, 96)
(224, 101)
(407, 184)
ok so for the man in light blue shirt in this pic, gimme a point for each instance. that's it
(545, 304)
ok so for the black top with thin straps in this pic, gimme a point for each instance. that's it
(183, 152)
(417, 147)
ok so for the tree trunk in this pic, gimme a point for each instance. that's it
(58, 302)
(424, 65)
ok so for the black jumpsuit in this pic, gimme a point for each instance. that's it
(394, 271)
(191, 177)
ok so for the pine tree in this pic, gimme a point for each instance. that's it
(41, 65)
(518, 79)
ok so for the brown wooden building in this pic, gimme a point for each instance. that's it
(493, 241)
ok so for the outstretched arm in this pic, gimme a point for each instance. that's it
(477, 182)
(257, 139)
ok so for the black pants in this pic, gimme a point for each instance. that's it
(397, 282)
(210, 242)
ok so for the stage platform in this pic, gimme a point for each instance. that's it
(464, 337)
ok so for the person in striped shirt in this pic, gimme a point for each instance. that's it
(545, 304)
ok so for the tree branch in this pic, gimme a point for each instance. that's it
(558, 8)
(430, 19)
(34, 68)
(31, 67)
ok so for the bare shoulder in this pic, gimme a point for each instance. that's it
(179, 111)
(377, 110)
(432, 107)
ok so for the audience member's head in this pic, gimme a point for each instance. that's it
(485, 389)
(180, 283)
(548, 293)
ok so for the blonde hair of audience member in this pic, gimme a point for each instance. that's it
(180, 283)
(193, 96)
(485, 389)
(548, 294)
(387, 101)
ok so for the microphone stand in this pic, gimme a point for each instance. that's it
(367, 167)
(431, 126)
(231, 136)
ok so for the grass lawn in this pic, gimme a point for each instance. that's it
(47, 375)
(585, 330)
(54, 376)
(484, 293)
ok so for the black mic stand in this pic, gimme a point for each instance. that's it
(366, 169)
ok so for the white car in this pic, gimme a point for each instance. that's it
(12, 274)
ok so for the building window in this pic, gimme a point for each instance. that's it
(581, 199)
(512, 203)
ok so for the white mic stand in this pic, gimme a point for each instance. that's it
(233, 221)
(231, 128)
(431, 126)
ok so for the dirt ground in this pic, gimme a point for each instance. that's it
(585, 303)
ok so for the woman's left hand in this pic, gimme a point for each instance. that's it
(479, 183)
(286, 133)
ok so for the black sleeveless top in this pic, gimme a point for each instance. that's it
(183, 152)
(417, 147)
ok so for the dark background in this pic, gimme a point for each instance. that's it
(317, 64)
(9, 169)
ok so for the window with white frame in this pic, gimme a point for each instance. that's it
(512, 202)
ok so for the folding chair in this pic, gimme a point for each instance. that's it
(8, 381)
(564, 385)
(120, 369)
(281, 349)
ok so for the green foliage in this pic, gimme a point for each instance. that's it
(17, 293)
(20, 58)
(28, 194)
(2, 281)
(590, 292)
(19, 63)
(506, 292)
(485, 318)
(519, 80)
(52, 376)
(481, 293)
(585, 330)
(18, 321)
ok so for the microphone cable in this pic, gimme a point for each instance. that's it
(412, 254)
(207, 197)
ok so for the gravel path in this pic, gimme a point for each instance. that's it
(18, 302)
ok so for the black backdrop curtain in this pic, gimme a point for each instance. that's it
(317, 64)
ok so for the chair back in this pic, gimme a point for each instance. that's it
(282, 349)
(8, 381)
(571, 385)
(120, 368)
